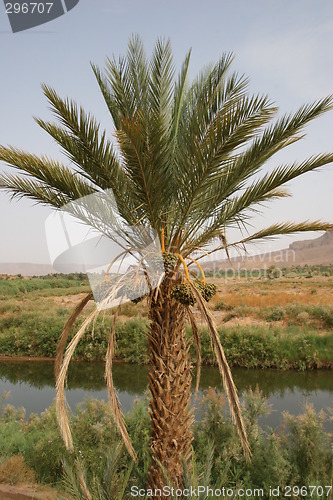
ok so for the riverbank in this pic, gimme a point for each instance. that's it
(298, 452)
(283, 323)
(253, 346)
(29, 492)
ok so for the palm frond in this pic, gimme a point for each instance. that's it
(161, 78)
(197, 343)
(65, 333)
(213, 155)
(45, 172)
(238, 208)
(61, 403)
(277, 136)
(179, 96)
(233, 178)
(89, 149)
(138, 72)
(22, 187)
(227, 379)
(258, 190)
(72, 483)
(107, 93)
(271, 232)
(113, 399)
(286, 228)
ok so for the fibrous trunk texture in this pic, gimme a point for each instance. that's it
(170, 385)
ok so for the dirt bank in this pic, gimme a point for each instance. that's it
(25, 492)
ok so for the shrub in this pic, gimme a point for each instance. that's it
(274, 272)
(291, 275)
(327, 319)
(44, 450)
(222, 306)
(13, 470)
(310, 450)
(325, 314)
(132, 341)
(229, 317)
(303, 317)
(299, 452)
(276, 314)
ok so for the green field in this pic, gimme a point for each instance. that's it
(284, 322)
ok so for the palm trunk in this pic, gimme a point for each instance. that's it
(170, 385)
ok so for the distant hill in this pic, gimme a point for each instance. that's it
(312, 252)
(326, 240)
(26, 269)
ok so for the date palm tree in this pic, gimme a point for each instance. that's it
(188, 161)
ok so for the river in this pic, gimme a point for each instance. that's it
(31, 385)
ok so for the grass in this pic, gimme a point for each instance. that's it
(16, 286)
(278, 323)
(251, 346)
(262, 347)
(284, 300)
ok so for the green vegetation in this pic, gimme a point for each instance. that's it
(294, 335)
(298, 452)
(272, 272)
(251, 346)
(18, 286)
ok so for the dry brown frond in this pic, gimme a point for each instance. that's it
(61, 403)
(67, 328)
(113, 399)
(83, 484)
(197, 343)
(228, 382)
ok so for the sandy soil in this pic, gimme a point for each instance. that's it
(68, 300)
(219, 317)
(24, 492)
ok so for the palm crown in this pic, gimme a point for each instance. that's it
(188, 162)
(187, 157)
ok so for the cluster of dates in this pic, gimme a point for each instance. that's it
(169, 260)
(184, 294)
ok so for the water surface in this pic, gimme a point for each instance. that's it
(31, 385)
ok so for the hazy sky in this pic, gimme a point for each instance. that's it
(285, 47)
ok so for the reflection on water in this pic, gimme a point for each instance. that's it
(31, 384)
